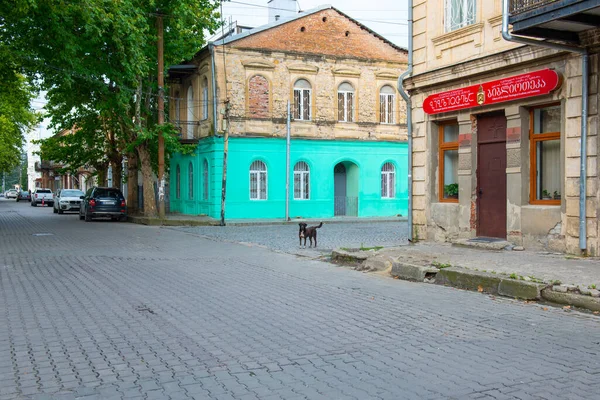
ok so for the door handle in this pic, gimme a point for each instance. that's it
(480, 192)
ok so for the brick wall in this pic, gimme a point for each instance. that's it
(258, 97)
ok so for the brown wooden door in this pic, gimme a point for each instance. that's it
(491, 176)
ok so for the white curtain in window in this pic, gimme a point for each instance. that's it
(346, 103)
(302, 94)
(459, 13)
(387, 99)
(258, 180)
(301, 181)
(388, 181)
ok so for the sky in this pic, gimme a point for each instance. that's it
(386, 17)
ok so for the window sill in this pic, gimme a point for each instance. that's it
(544, 203)
(450, 201)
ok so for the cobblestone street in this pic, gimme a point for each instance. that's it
(284, 238)
(107, 310)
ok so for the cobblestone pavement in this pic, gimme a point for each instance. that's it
(284, 238)
(108, 310)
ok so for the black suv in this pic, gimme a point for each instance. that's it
(103, 202)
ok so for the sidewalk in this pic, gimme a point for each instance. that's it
(174, 219)
(529, 275)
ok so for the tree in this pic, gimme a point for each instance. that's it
(16, 117)
(101, 66)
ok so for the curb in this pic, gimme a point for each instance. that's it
(168, 222)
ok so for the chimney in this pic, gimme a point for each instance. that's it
(281, 9)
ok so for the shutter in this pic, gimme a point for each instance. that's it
(297, 105)
(341, 107)
(306, 104)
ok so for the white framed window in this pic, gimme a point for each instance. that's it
(204, 98)
(387, 101)
(205, 179)
(301, 181)
(191, 181)
(346, 103)
(388, 181)
(190, 113)
(302, 98)
(258, 181)
(459, 13)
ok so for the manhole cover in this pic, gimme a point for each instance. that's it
(43, 234)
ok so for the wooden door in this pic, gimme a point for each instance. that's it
(491, 176)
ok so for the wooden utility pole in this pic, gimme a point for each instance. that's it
(161, 120)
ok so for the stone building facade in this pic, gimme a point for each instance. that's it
(348, 124)
(508, 169)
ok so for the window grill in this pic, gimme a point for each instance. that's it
(301, 181)
(459, 13)
(258, 181)
(388, 181)
(205, 179)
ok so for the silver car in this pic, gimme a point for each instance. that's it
(67, 200)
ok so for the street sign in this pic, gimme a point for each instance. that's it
(513, 88)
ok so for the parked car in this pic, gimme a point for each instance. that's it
(103, 202)
(24, 195)
(42, 196)
(11, 194)
(67, 200)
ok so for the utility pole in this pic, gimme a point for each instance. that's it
(161, 120)
(287, 166)
(225, 151)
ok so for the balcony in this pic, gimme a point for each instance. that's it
(561, 20)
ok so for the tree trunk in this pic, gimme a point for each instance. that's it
(101, 176)
(132, 183)
(148, 180)
(117, 174)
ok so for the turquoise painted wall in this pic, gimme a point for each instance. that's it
(363, 161)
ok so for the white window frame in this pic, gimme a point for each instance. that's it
(387, 106)
(343, 97)
(459, 13)
(302, 101)
(258, 172)
(388, 181)
(302, 175)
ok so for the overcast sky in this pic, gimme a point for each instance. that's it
(386, 17)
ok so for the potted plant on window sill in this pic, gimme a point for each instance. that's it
(556, 195)
(546, 195)
(451, 191)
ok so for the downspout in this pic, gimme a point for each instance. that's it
(213, 73)
(408, 101)
(584, 112)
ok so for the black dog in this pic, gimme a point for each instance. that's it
(310, 233)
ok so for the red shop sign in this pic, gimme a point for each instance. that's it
(507, 89)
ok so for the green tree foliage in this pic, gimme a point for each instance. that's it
(16, 117)
(98, 60)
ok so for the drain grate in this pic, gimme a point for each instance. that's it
(43, 234)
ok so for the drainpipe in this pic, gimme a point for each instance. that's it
(584, 112)
(213, 73)
(408, 101)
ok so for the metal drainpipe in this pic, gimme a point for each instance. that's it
(213, 73)
(408, 101)
(584, 112)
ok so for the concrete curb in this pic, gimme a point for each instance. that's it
(572, 299)
(168, 222)
(349, 256)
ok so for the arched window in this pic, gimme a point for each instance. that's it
(258, 181)
(190, 113)
(387, 100)
(302, 90)
(204, 98)
(178, 183)
(388, 181)
(345, 103)
(258, 97)
(205, 179)
(191, 181)
(301, 181)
